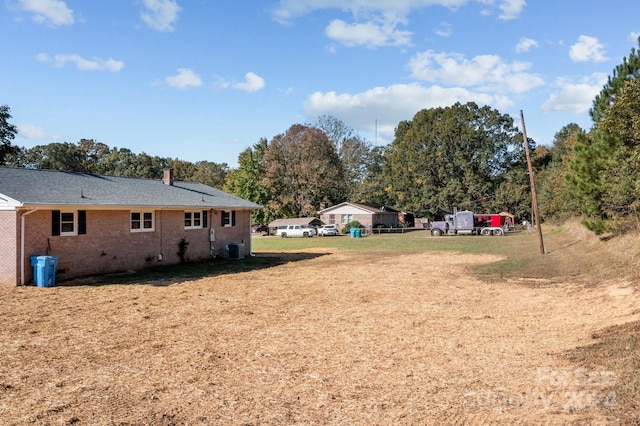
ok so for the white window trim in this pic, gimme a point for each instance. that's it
(142, 228)
(229, 214)
(346, 218)
(75, 223)
(192, 212)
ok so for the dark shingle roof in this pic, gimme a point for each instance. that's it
(371, 208)
(48, 187)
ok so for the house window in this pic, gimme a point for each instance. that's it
(346, 218)
(194, 219)
(228, 218)
(68, 223)
(142, 222)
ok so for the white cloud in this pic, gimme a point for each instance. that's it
(525, 44)
(31, 132)
(444, 30)
(485, 72)
(286, 10)
(587, 49)
(221, 83)
(185, 78)
(368, 34)
(575, 96)
(95, 64)
(51, 12)
(252, 83)
(390, 105)
(375, 22)
(634, 36)
(511, 9)
(160, 15)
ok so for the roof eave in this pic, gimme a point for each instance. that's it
(52, 206)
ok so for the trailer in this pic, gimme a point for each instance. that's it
(469, 223)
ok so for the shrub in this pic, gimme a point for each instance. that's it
(182, 250)
(598, 226)
(352, 224)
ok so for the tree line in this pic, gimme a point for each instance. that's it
(463, 156)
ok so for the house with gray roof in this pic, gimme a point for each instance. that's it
(369, 215)
(101, 224)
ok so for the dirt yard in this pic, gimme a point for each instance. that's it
(341, 338)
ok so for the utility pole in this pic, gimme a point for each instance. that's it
(534, 197)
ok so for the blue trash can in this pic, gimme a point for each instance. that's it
(44, 270)
(352, 232)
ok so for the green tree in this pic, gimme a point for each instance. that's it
(123, 162)
(563, 142)
(556, 198)
(622, 123)
(587, 172)
(63, 156)
(372, 188)
(247, 181)
(211, 174)
(623, 115)
(182, 170)
(354, 153)
(302, 171)
(7, 133)
(513, 194)
(94, 154)
(628, 69)
(604, 170)
(453, 156)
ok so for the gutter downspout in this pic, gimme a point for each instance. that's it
(251, 253)
(22, 225)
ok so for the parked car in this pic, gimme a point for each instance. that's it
(260, 229)
(295, 231)
(328, 230)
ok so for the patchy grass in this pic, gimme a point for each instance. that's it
(570, 252)
(325, 330)
(573, 254)
(618, 351)
(170, 274)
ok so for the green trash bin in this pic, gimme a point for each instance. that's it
(358, 233)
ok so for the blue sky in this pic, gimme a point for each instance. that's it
(204, 80)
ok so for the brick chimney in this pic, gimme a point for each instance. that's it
(167, 178)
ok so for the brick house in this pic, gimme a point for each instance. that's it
(100, 224)
(369, 215)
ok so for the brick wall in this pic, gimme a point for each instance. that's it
(9, 253)
(110, 246)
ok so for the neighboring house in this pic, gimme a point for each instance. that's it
(369, 215)
(100, 224)
(302, 221)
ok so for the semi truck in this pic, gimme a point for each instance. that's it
(469, 223)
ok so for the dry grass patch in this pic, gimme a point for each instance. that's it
(338, 336)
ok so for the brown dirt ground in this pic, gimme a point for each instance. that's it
(342, 338)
